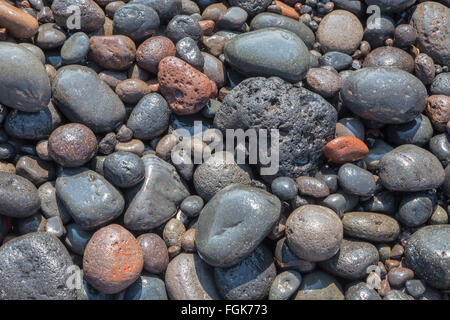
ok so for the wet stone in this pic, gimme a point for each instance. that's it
(255, 54)
(34, 169)
(374, 227)
(398, 276)
(152, 51)
(319, 286)
(136, 21)
(418, 132)
(49, 36)
(423, 255)
(155, 200)
(49, 259)
(25, 84)
(410, 168)
(123, 169)
(352, 260)
(134, 146)
(250, 279)
(18, 196)
(146, 287)
(156, 257)
(399, 97)
(55, 227)
(112, 260)
(314, 233)
(231, 209)
(337, 60)
(345, 149)
(182, 26)
(77, 238)
(90, 212)
(92, 16)
(285, 285)
(397, 295)
(187, 50)
(112, 52)
(192, 205)
(189, 277)
(356, 181)
(361, 291)
(32, 125)
(323, 82)
(77, 88)
(72, 145)
(284, 188)
(252, 7)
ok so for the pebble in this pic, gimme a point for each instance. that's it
(254, 99)
(156, 257)
(415, 288)
(345, 149)
(390, 57)
(247, 214)
(134, 146)
(146, 287)
(397, 295)
(416, 208)
(49, 260)
(214, 44)
(352, 260)
(323, 82)
(268, 52)
(382, 202)
(340, 31)
(112, 260)
(186, 89)
(378, 150)
(268, 20)
(123, 169)
(182, 26)
(319, 286)
(188, 50)
(314, 233)
(75, 48)
(55, 227)
(32, 125)
(218, 171)
(439, 216)
(35, 170)
(418, 132)
(77, 88)
(18, 196)
(92, 16)
(350, 127)
(155, 200)
(214, 69)
(338, 60)
(72, 145)
(188, 277)
(284, 188)
(404, 169)
(252, 7)
(361, 291)
(232, 19)
(398, 276)
(356, 181)
(173, 232)
(150, 117)
(336, 202)
(18, 23)
(50, 36)
(165, 9)
(376, 34)
(430, 19)
(404, 36)
(112, 52)
(438, 111)
(370, 226)
(285, 285)
(313, 187)
(77, 238)
(152, 51)
(250, 279)
(136, 20)
(26, 86)
(399, 97)
(131, 91)
(424, 254)
(214, 11)
(89, 211)
(441, 84)
(192, 205)
(424, 68)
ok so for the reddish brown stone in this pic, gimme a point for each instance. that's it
(188, 241)
(438, 109)
(174, 251)
(112, 52)
(391, 264)
(131, 91)
(186, 89)
(3, 34)
(207, 27)
(384, 288)
(112, 260)
(324, 82)
(345, 149)
(112, 78)
(287, 10)
(72, 145)
(152, 51)
(156, 256)
(165, 146)
(19, 23)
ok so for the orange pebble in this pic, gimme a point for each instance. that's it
(287, 10)
(345, 149)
